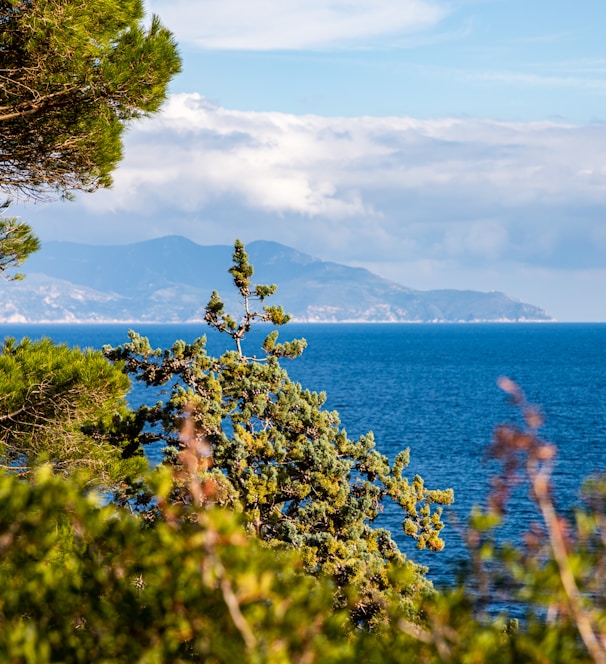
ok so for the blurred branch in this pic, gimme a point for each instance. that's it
(509, 444)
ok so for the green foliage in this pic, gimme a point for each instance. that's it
(80, 582)
(73, 74)
(84, 583)
(286, 463)
(215, 315)
(67, 406)
(279, 574)
(17, 242)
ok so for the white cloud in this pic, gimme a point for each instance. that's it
(486, 238)
(326, 162)
(294, 24)
(196, 153)
(479, 190)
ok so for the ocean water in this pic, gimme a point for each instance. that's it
(432, 388)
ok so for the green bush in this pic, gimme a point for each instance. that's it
(85, 583)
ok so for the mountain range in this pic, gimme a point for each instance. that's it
(170, 279)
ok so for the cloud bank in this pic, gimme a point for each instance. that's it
(396, 188)
(294, 24)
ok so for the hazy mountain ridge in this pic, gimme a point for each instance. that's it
(170, 279)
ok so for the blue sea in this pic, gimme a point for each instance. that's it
(433, 388)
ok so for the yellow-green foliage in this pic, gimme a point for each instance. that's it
(288, 465)
(84, 583)
(81, 582)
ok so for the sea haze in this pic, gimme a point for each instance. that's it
(170, 279)
(433, 388)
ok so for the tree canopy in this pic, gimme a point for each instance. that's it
(84, 580)
(66, 406)
(85, 583)
(282, 460)
(17, 242)
(72, 75)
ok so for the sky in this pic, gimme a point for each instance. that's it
(438, 143)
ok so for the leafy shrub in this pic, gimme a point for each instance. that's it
(85, 583)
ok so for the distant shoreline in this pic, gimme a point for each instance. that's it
(297, 322)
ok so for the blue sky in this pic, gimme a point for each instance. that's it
(455, 144)
(503, 59)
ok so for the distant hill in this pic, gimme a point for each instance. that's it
(170, 280)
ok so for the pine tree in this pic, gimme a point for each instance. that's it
(73, 75)
(283, 461)
(17, 242)
(68, 407)
(82, 583)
